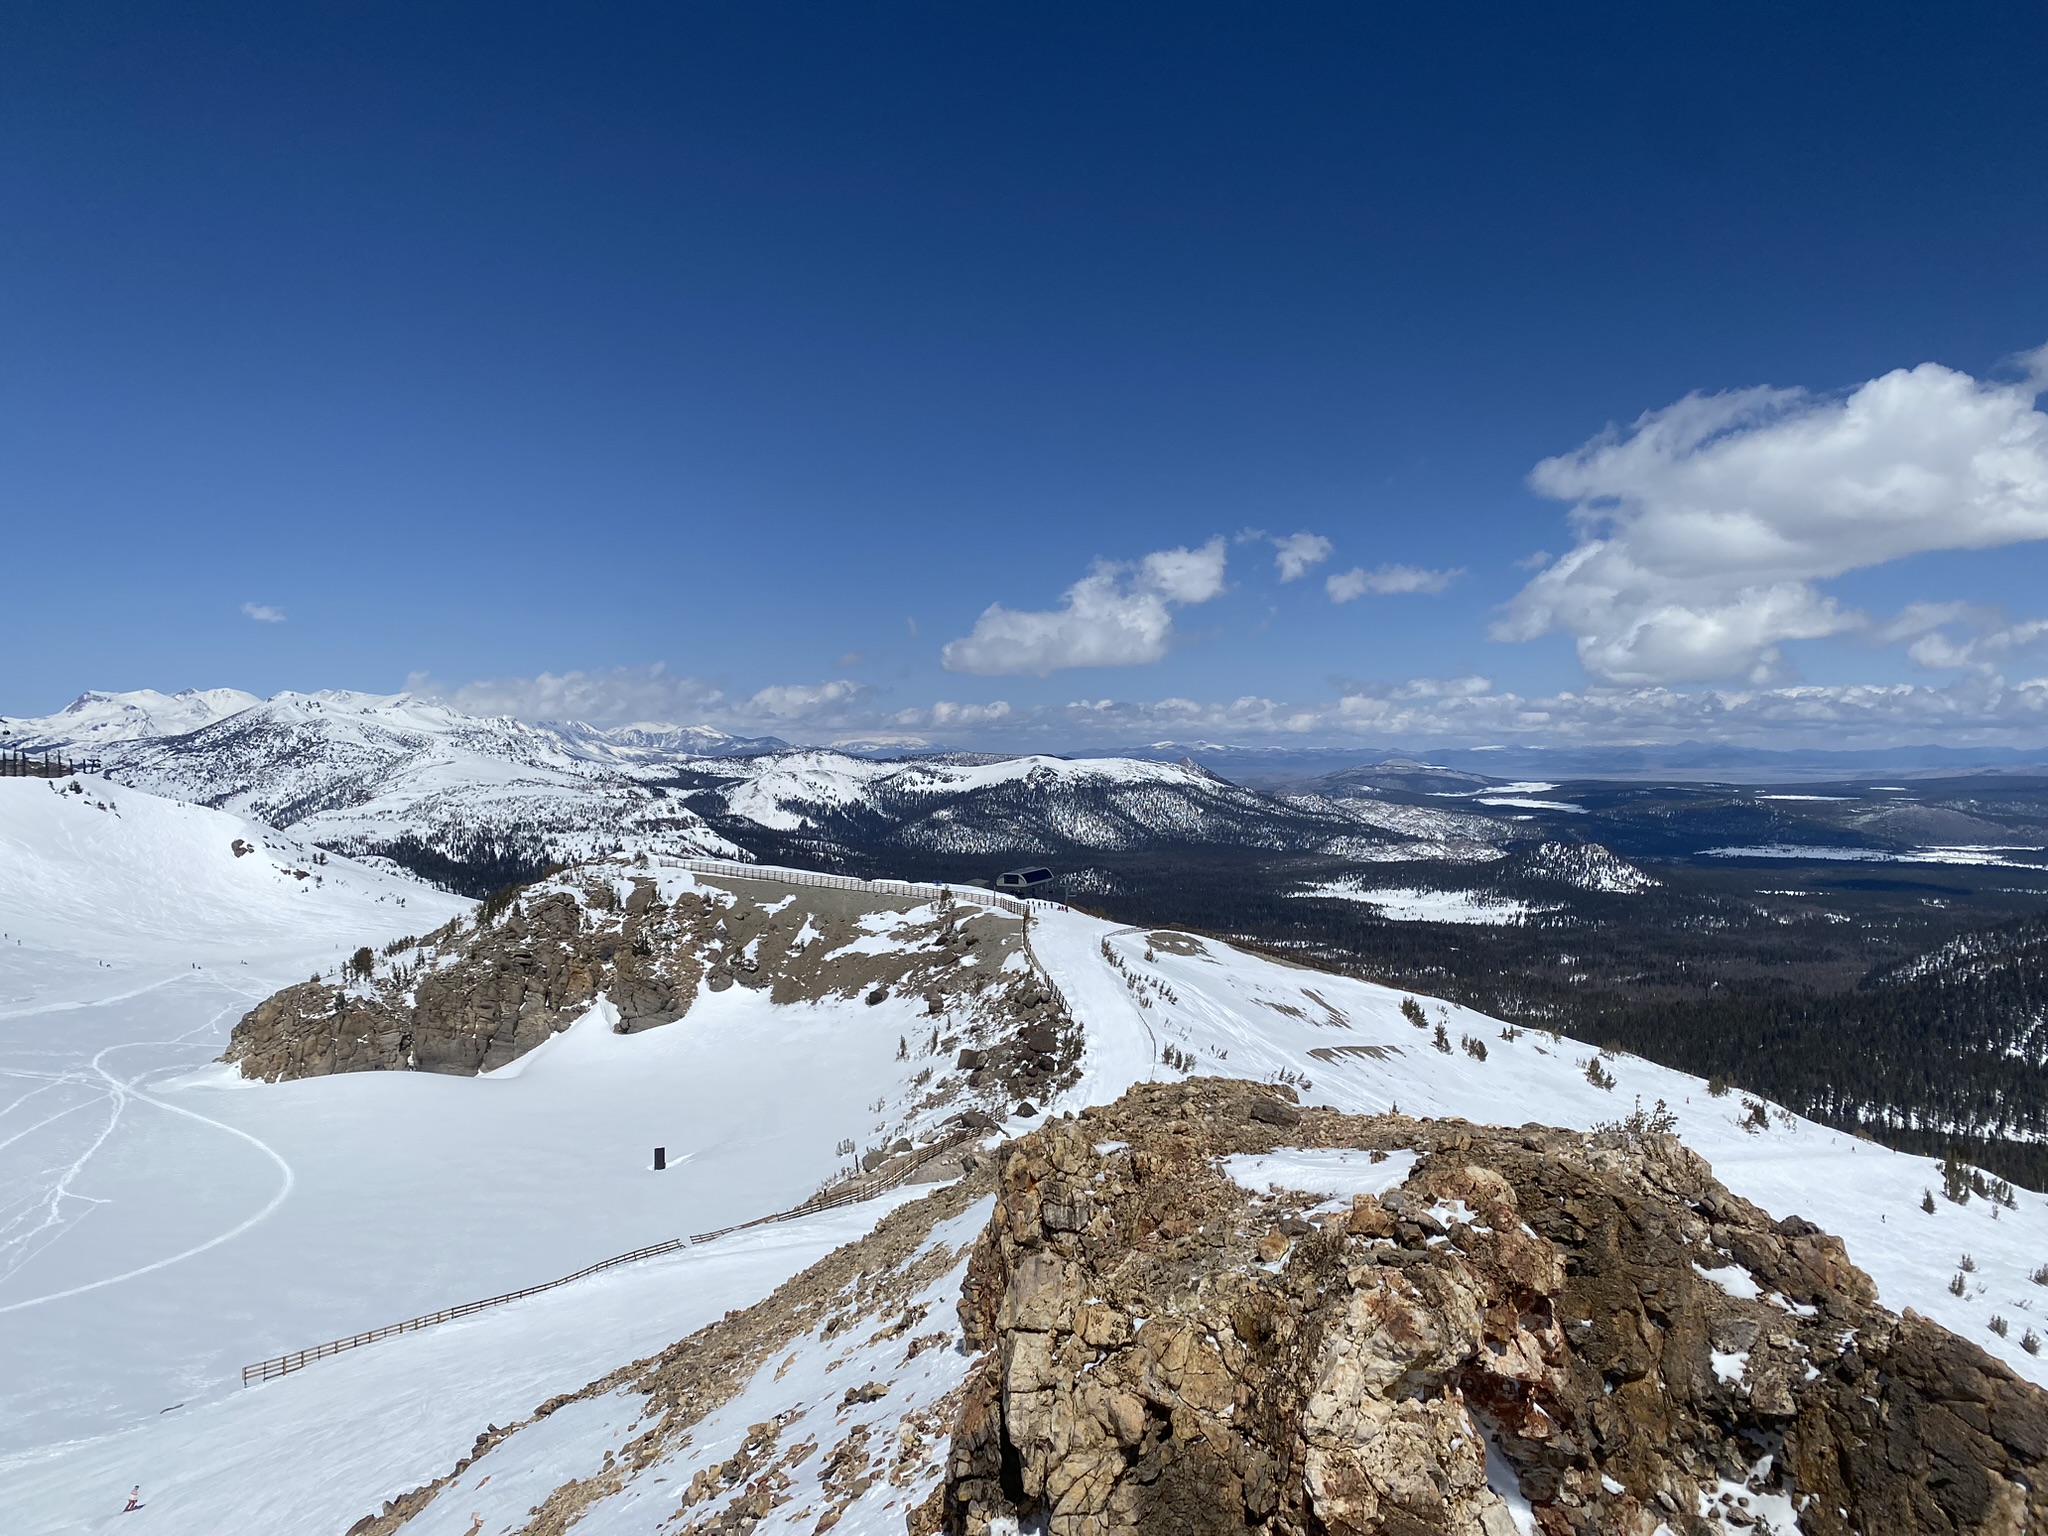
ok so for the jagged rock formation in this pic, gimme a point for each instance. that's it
(484, 990)
(1592, 1327)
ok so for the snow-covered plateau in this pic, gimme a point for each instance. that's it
(167, 1220)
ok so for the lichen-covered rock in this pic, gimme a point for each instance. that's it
(485, 990)
(1590, 1327)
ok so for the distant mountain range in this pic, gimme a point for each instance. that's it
(95, 719)
(473, 802)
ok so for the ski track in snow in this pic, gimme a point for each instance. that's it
(121, 1092)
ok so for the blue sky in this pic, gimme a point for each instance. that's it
(732, 362)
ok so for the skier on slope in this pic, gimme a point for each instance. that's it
(134, 1500)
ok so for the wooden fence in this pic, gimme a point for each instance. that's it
(27, 765)
(852, 1193)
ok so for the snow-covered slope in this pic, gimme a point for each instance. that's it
(162, 1221)
(363, 772)
(206, 1222)
(133, 932)
(100, 870)
(93, 721)
(1168, 799)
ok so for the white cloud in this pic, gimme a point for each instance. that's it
(1703, 528)
(1972, 711)
(611, 697)
(1918, 618)
(1385, 579)
(264, 613)
(805, 703)
(1986, 652)
(947, 715)
(1115, 616)
(2033, 367)
(1977, 707)
(1295, 554)
(652, 694)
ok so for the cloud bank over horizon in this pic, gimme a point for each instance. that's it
(1971, 710)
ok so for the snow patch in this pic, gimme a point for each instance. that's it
(1410, 904)
(1336, 1173)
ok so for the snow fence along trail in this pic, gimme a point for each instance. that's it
(317, 1450)
(849, 1419)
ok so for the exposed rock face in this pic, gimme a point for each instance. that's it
(1169, 1352)
(484, 991)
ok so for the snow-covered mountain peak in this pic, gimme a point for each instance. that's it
(371, 773)
(94, 719)
(401, 715)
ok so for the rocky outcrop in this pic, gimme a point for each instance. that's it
(485, 990)
(1533, 1330)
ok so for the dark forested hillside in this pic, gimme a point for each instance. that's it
(1946, 1052)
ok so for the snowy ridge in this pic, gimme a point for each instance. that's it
(94, 720)
(363, 773)
(1348, 1044)
(1048, 805)
(649, 742)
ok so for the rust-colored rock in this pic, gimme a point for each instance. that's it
(1196, 1358)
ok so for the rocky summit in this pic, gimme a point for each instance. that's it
(1526, 1329)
